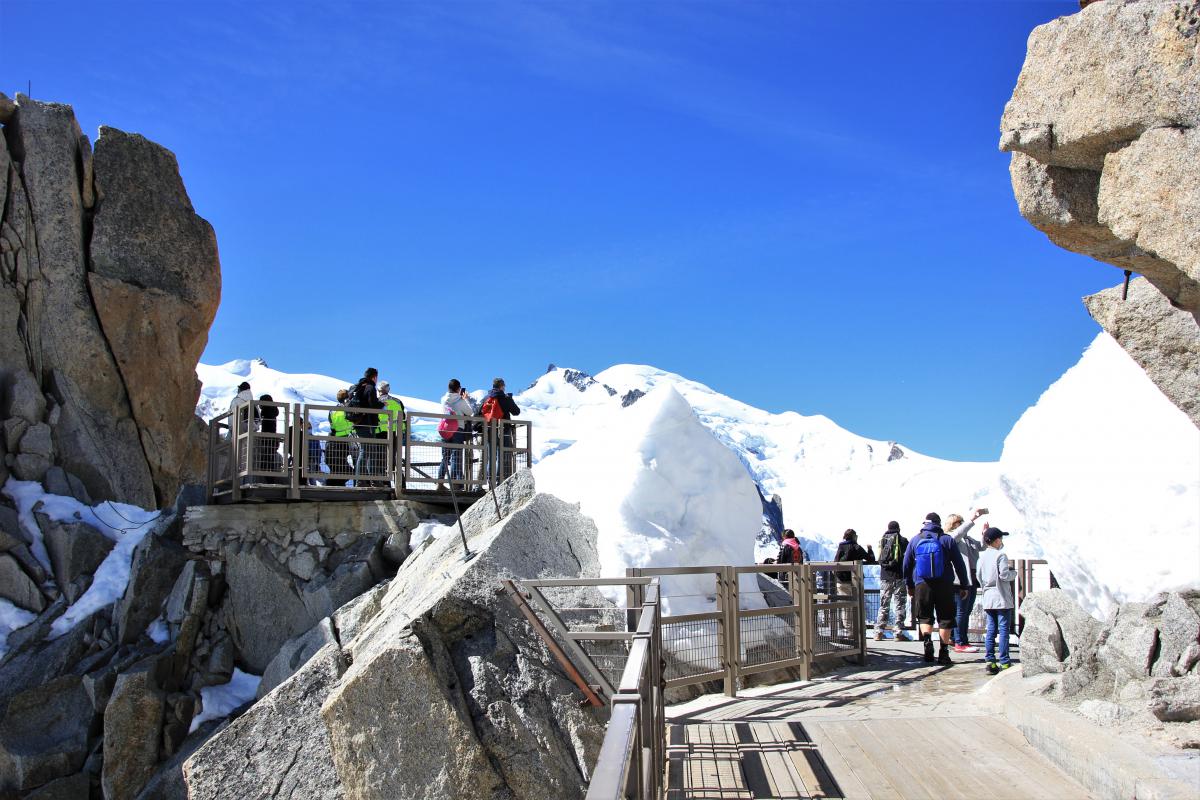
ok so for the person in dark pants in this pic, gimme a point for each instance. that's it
(364, 395)
(337, 452)
(930, 564)
(963, 605)
(849, 550)
(266, 458)
(497, 406)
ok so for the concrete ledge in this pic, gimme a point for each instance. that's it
(1108, 767)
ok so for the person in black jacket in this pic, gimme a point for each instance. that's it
(267, 457)
(364, 395)
(850, 550)
(500, 464)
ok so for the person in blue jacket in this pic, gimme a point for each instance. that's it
(931, 561)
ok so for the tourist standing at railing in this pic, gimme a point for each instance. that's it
(314, 456)
(267, 457)
(364, 395)
(498, 406)
(393, 419)
(891, 581)
(244, 399)
(965, 603)
(930, 564)
(995, 576)
(850, 550)
(337, 452)
(454, 431)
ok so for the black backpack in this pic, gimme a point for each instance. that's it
(891, 555)
(357, 400)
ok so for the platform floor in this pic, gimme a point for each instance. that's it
(898, 728)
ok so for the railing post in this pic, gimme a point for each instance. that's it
(210, 471)
(235, 444)
(297, 444)
(862, 621)
(806, 614)
(733, 646)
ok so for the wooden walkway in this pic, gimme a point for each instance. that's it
(898, 728)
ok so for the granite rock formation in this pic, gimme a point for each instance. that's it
(1102, 127)
(108, 284)
(432, 687)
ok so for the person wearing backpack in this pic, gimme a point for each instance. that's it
(850, 550)
(892, 588)
(364, 395)
(392, 419)
(454, 431)
(931, 562)
(338, 450)
(789, 553)
(498, 406)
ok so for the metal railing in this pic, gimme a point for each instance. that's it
(290, 451)
(733, 624)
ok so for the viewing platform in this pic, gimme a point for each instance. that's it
(268, 452)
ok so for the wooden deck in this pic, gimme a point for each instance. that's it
(899, 728)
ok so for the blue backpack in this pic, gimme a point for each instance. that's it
(930, 558)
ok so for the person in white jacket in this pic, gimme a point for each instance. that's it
(454, 402)
(995, 579)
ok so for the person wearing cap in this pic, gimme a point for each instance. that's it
(391, 419)
(995, 576)
(930, 564)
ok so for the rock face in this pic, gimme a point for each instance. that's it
(435, 686)
(1139, 666)
(108, 284)
(1103, 130)
(1162, 339)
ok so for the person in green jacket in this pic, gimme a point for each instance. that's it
(337, 453)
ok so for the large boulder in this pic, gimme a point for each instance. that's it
(17, 587)
(1103, 130)
(279, 748)
(1058, 634)
(447, 692)
(132, 725)
(44, 734)
(76, 550)
(156, 564)
(103, 321)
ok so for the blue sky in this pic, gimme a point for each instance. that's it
(799, 204)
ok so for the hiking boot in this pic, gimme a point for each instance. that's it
(879, 634)
(929, 649)
(1002, 667)
(993, 668)
(965, 648)
(904, 635)
(944, 655)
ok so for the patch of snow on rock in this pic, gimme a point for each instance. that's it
(218, 702)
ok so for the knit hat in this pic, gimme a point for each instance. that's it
(384, 387)
(993, 534)
(933, 516)
(894, 526)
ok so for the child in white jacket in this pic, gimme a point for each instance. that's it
(995, 580)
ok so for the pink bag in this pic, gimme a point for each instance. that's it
(448, 427)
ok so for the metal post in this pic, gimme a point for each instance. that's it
(210, 472)
(234, 457)
(862, 622)
(733, 638)
(297, 443)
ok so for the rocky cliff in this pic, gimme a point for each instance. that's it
(1103, 130)
(109, 282)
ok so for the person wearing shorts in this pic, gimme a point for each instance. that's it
(931, 561)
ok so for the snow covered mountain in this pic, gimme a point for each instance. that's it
(625, 445)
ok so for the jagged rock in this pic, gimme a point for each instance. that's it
(44, 734)
(7, 108)
(156, 281)
(184, 610)
(30, 467)
(25, 402)
(154, 568)
(1187, 660)
(479, 715)
(303, 564)
(219, 668)
(350, 619)
(263, 608)
(132, 724)
(280, 743)
(1178, 627)
(73, 787)
(75, 548)
(14, 429)
(1130, 642)
(294, 654)
(11, 533)
(396, 549)
(177, 718)
(1163, 340)
(18, 588)
(36, 441)
(1058, 634)
(1175, 699)
(59, 481)
(354, 570)
(1106, 151)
